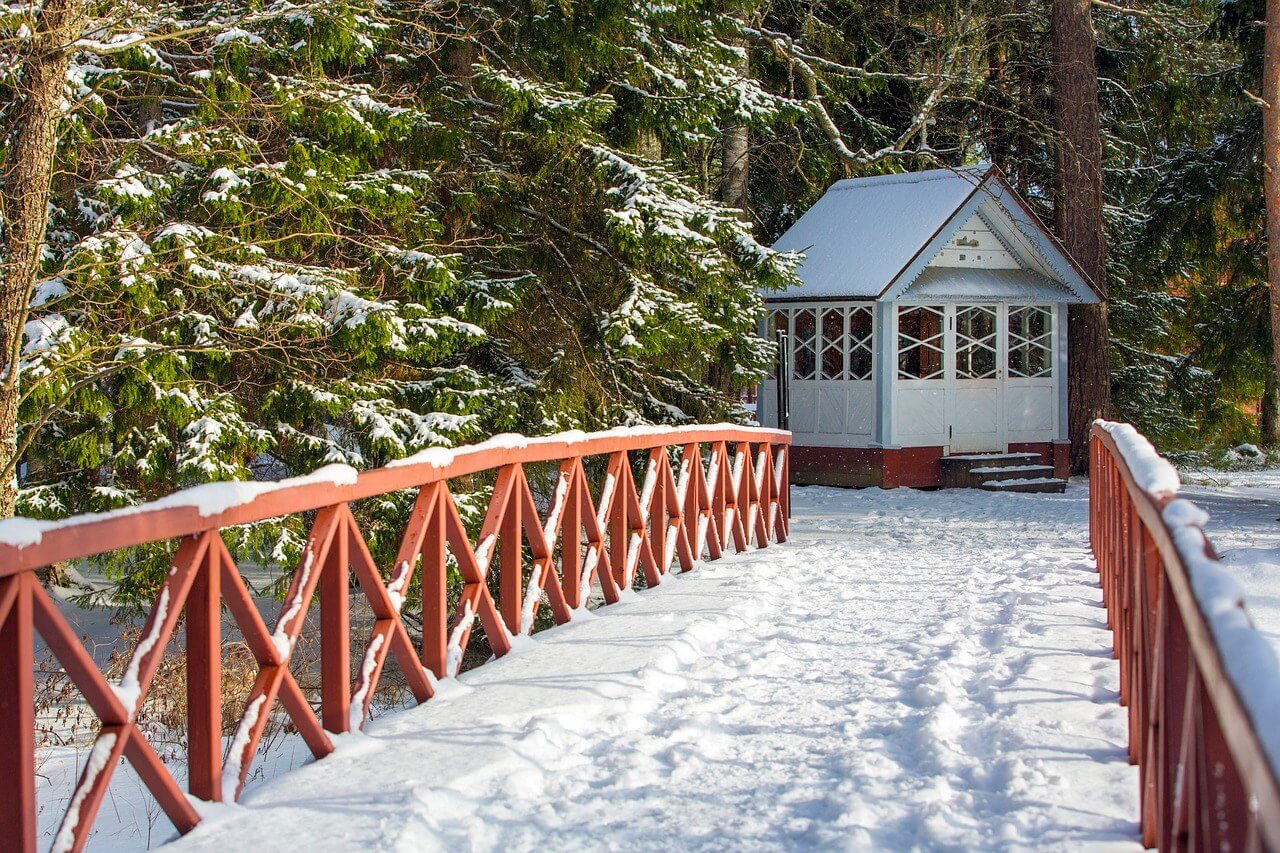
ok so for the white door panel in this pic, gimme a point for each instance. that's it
(975, 419)
(860, 415)
(769, 404)
(975, 378)
(1031, 409)
(831, 409)
(921, 414)
(804, 407)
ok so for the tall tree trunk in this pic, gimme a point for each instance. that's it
(735, 174)
(1269, 422)
(459, 56)
(1271, 171)
(1079, 215)
(24, 197)
(735, 153)
(648, 145)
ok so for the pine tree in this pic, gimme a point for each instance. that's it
(284, 239)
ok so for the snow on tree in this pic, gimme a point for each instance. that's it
(281, 238)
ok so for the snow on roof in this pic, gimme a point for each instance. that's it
(867, 234)
(864, 231)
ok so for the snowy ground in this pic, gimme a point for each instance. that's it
(1244, 525)
(914, 670)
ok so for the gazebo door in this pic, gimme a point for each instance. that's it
(975, 393)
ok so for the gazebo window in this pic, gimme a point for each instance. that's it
(833, 342)
(828, 343)
(804, 359)
(920, 342)
(1030, 341)
(861, 328)
(976, 342)
(779, 322)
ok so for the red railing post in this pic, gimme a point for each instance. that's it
(204, 680)
(335, 630)
(571, 536)
(511, 553)
(435, 605)
(17, 715)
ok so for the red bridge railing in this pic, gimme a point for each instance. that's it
(1201, 685)
(738, 496)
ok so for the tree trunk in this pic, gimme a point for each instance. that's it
(735, 153)
(734, 162)
(459, 57)
(24, 197)
(1079, 215)
(1271, 172)
(648, 145)
(1269, 422)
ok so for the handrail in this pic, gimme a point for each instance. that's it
(608, 535)
(1203, 724)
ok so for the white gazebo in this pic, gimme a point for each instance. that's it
(930, 323)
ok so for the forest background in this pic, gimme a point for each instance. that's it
(245, 239)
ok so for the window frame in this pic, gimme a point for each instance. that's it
(1045, 342)
(846, 343)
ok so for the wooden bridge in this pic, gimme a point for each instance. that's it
(621, 509)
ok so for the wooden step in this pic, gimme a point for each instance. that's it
(1033, 485)
(989, 457)
(957, 470)
(984, 474)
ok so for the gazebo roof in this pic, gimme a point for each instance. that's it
(872, 238)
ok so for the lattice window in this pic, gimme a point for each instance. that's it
(920, 342)
(1030, 341)
(976, 342)
(805, 347)
(778, 322)
(861, 341)
(835, 343)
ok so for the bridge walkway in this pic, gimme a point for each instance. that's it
(913, 669)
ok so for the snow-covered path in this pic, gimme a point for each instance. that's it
(913, 670)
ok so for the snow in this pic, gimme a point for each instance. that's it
(99, 754)
(233, 763)
(1151, 472)
(969, 457)
(1243, 508)
(1250, 661)
(355, 713)
(875, 236)
(441, 457)
(208, 499)
(47, 291)
(281, 637)
(1249, 654)
(44, 334)
(453, 654)
(396, 588)
(875, 683)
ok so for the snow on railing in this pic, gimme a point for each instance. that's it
(586, 538)
(1201, 683)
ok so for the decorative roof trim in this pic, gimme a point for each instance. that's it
(996, 192)
(949, 227)
(1048, 236)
